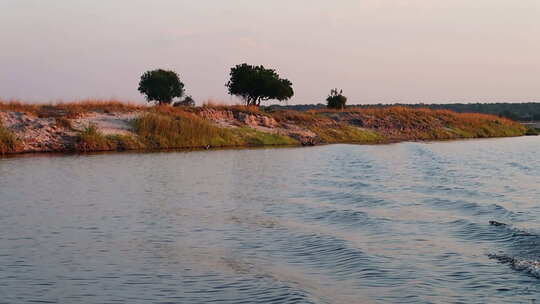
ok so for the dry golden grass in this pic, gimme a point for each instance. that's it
(298, 117)
(70, 109)
(16, 105)
(235, 108)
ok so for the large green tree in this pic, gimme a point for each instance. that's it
(161, 86)
(256, 83)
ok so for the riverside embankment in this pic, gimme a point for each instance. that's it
(114, 126)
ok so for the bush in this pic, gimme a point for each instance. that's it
(187, 102)
(336, 100)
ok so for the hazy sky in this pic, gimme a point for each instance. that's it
(375, 50)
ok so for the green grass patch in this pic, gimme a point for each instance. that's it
(488, 129)
(257, 138)
(346, 134)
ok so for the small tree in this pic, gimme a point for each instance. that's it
(161, 86)
(336, 100)
(187, 102)
(256, 83)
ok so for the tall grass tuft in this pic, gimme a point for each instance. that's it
(8, 141)
(92, 140)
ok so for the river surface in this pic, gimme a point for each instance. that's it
(400, 223)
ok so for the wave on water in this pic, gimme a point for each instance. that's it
(515, 231)
(531, 267)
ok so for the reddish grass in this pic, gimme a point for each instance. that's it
(298, 117)
(234, 108)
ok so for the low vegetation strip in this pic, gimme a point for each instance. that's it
(403, 123)
(115, 126)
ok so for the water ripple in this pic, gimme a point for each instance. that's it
(451, 222)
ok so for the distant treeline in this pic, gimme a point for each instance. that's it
(515, 111)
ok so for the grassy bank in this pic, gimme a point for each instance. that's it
(165, 127)
(403, 123)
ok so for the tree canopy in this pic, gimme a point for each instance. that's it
(256, 83)
(336, 100)
(161, 86)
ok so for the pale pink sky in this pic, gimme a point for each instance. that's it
(376, 50)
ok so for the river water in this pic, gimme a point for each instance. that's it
(400, 223)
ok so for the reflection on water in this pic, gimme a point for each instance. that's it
(402, 223)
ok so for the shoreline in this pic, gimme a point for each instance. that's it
(232, 148)
(117, 127)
